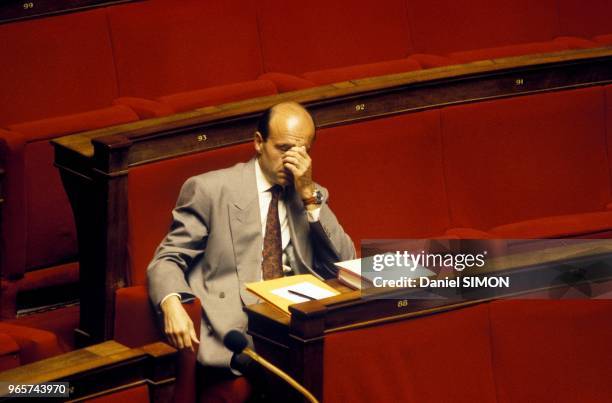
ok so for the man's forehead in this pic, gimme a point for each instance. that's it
(295, 129)
(290, 138)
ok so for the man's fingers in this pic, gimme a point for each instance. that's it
(291, 159)
(186, 339)
(292, 167)
(194, 337)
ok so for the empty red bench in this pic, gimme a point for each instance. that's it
(530, 167)
(187, 55)
(39, 247)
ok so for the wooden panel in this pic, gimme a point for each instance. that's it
(101, 369)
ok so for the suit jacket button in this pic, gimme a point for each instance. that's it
(221, 294)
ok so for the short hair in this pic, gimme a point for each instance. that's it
(263, 125)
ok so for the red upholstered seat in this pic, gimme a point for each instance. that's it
(230, 391)
(135, 394)
(509, 51)
(150, 217)
(9, 352)
(552, 351)
(37, 223)
(136, 325)
(605, 40)
(362, 71)
(528, 158)
(480, 29)
(185, 101)
(181, 51)
(385, 176)
(437, 358)
(584, 224)
(153, 190)
(34, 344)
(48, 70)
(354, 38)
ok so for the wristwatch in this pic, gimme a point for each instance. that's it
(316, 198)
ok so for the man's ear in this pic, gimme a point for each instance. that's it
(258, 142)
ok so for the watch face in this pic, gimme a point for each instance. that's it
(318, 195)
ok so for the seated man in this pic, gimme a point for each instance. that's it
(258, 220)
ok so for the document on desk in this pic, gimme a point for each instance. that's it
(285, 291)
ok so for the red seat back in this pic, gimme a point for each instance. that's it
(54, 66)
(525, 158)
(385, 176)
(162, 47)
(585, 19)
(39, 227)
(153, 190)
(298, 38)
(444, 26)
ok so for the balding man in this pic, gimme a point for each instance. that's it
(262, 219)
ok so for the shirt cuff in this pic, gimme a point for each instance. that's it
(168, 296)
(313, 215)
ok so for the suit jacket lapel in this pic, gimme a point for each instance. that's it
(245, 227)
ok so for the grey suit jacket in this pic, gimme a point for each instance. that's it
(214, 247)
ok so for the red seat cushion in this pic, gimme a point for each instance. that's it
(556, 227)
(573, 42)
(9, 352)
(526, 158)
(400, 195)
(437, 358)
(552, 351)
(14, 222)
(446, 26)
(509, 51)
(196, 45)
(362, 71)
(604, 39)
(48, 70)
(34, 344)
(287, 82)
(57, 126)
(236, 390)
(327, 35)
(185, 101)
(135, 394)
(150, 217)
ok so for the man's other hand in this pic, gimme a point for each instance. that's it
(178, 326)
(298, 162)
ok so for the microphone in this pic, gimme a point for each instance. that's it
(237, 343)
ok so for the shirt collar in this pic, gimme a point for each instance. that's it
(263, 184)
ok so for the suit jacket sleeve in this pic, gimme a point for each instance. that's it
(184, 244)
(330, 243)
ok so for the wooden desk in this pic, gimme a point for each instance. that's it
(296, 343)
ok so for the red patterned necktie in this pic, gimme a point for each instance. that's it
(272, 264)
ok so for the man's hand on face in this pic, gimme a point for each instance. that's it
(178, 326)
(298, 162)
